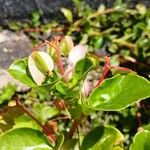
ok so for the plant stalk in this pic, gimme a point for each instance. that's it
(73, 128)
(106, 70)
(51, 136)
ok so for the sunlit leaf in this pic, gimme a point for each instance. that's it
(102, 138)
(19, 70)
(67, 13)
(119, 92)
(23, 139)
(141, 141)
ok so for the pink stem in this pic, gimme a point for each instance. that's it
(19, 105)
(106, 70)
(59, 58)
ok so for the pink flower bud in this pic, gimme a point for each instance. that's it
(78, 52)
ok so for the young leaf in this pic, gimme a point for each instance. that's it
(101, 138)
(19, 70)
(141, 141)
(67, 13)
(119, 92)
(23, 139)
(82, 67)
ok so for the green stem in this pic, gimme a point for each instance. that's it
(124, 43)
(107, 11)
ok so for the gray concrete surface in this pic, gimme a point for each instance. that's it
(12, 46)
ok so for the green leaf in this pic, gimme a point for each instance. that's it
(76, 111)
(82, 67)
(44, 112)
(35, 18)
(119, 92)
(62, 87)
(25, 121)
(67, 13)
(23, 139)
(19, 70)
(141, 141)
(70, 144)
(59, 142)
(102, 138)
(15, 25)
(7, 92)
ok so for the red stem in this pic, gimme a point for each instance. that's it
(60, 61)
(51, 137)
(73, 128)
(59, 58)
(106, 70)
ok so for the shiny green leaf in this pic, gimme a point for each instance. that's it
(141, 141)
(70, 144)
(23, 139)
(119, 92)
(102, 138)
(19, 70)
(82, 67)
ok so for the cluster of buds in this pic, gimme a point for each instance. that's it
(41, 64)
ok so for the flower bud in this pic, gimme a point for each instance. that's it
(40, 64)
(66, 45)
(51, 51)
(78, 52)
